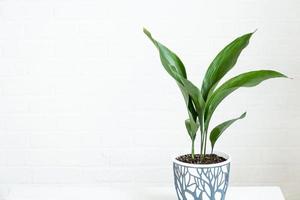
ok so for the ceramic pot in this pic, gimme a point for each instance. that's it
(202, 182)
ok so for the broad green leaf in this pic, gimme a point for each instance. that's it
(248, 79)
(192, 128)
(189, 102)
(222, 63)
(170, 60)
(195, 94)
(174, 66)
(218, 130)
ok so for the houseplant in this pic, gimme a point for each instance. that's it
(205, 175)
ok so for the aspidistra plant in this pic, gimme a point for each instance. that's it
(201, 103)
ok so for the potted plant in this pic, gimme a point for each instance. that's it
(205, 175)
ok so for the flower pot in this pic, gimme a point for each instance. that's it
(202, 182)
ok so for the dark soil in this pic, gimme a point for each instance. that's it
(208, 159)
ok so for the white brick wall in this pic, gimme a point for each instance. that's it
(84, 99)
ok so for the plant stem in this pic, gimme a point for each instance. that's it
(202, 138)
(193, 149)
(202, 152)
(200, 117)
(201, 145)
(205, 141)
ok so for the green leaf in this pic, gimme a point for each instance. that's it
(222, 63)
(174, 66)
(192, 128)
(189, 102)
(218, 130)
(195, 94)
(170, 60)
(248, 79)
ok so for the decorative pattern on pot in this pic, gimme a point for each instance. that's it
(201, 183)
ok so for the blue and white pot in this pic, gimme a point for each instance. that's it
(202, 182)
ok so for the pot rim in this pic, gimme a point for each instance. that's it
(226, 156)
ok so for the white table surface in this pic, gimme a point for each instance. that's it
(84, 192)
